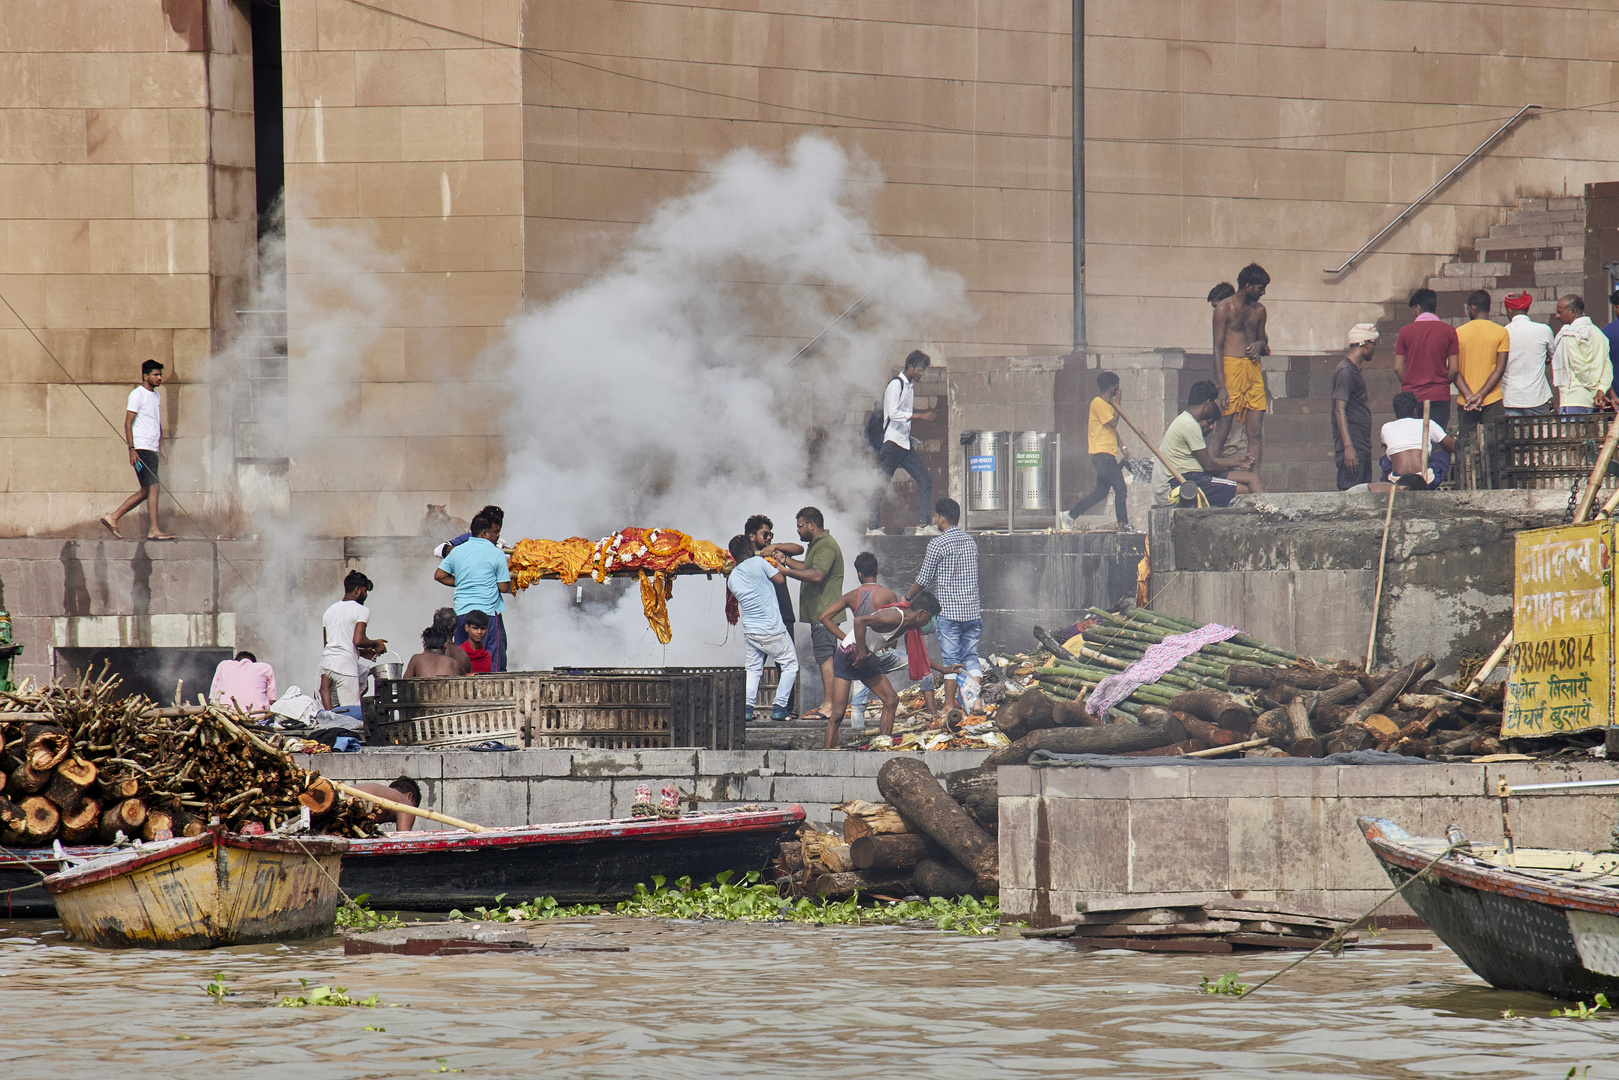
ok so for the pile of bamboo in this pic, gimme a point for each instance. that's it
(1115, 642)
(920, 841)
(82, 764)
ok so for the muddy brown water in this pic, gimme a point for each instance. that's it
(704, 1000)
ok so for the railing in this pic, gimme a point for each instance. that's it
(1441, 182)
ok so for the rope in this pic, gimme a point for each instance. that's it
(1337, 938)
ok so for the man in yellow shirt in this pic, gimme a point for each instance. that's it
(1103, 436)
(1481, 359)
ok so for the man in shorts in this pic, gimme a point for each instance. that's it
(343, 642)
(820, 576)
(1187, 452)
(143, 434)
(1239, 343)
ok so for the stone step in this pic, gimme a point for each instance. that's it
(1522, 217)
(1567, 202)
(1475, 269)
(1552, 235)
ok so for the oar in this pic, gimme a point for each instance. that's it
(406, 808)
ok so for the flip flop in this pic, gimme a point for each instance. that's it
(111, 528)
(163, 536)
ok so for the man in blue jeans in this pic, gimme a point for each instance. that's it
(950, 570)
(898, 450)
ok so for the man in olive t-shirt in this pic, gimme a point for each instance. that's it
(821, 574)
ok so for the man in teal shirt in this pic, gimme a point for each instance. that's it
(478, 572)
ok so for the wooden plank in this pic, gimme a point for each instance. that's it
(1272, 907)
(1394, 946)
(1271, 941)
(1222, 926)
(1264, 926)
(1152, 916)
(1241, 914)
(1156, 900)
(1191, 945)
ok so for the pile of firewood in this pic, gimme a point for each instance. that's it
(82, 764)
(919, 842)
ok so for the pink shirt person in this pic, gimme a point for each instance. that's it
(250, 684)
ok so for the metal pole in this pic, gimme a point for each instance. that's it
(1078, 32)
(1568, 785)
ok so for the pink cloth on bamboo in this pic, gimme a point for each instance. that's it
(1159, 660)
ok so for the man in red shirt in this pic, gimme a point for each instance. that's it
(1425, 357)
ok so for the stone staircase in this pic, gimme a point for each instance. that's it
(1540, 249)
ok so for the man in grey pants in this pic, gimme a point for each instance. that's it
(897, 451)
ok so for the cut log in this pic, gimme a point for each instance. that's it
(118, 788)
(12, 819)
(25, 781)
(320, 796)
(1217, 707)
(1381, 727)
(1275, 726)
(1349, 738)
(851, 882)
(80, 823)
(835, 857)
(1185, 746)
(1261, 678)
(791, 858)
(979, 793)
(45, 745)
(1329, 718)
(1030, 712)
(1073, 714)
(1486, 744)
(159, 825)
(67, 787)
(126, 817)
(899, 853)
(40, 820)
(1279, 696)
(946, 878)
(77, 771)
(911, 789)
(1265, 751)
(187, 824)
(1304, 742)
(1391, 688)
(861, 818)
(1112, 739)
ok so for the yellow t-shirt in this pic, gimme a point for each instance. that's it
(1477, 343)
(1102, 439)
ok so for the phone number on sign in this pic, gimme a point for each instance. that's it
(1553, 654)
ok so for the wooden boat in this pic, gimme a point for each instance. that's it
(22, 879)
(1522, 918)
(575, 862)
(201, 892)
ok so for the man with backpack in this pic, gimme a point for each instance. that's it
(888, 430)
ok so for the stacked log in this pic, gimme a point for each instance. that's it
(84, 764)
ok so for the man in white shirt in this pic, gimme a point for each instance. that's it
(899, 398)
(1402, 444)
(343, 642)
(1524, 389)
(143, 434)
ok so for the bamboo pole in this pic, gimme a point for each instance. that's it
(1382, 561)
(1495, 658)
(1215, 751)
(406, 808)
(1598, 471)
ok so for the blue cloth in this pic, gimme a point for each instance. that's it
(958, 643)
(756, 597)
(479, 568)
(1611, 331)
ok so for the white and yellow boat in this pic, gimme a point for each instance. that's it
(202, 892)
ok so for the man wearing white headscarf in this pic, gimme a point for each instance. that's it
(1351, 412)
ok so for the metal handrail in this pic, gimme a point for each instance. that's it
(1441, 182)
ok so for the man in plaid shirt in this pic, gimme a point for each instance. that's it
(950, 569)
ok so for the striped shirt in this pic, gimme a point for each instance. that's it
(950, 569)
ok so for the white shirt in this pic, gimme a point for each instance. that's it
(340, 619)
(147, 406)
(899, 399)
(1523, 384)
(1406, 434)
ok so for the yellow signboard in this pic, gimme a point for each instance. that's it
(1562, 632)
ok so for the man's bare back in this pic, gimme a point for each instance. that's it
(431, 665)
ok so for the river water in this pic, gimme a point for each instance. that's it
(704, 1000)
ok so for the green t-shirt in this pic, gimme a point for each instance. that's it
(816, 597)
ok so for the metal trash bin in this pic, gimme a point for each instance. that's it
(1033, 471)
(987, 466)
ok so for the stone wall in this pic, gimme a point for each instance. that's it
(1284, 833)
(533, 787)
(1299, 571)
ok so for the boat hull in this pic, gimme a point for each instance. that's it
(577, 863)
(203, 892)
(1515, 933)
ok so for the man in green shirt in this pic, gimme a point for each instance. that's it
(821, 572)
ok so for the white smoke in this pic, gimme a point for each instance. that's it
(661, 393)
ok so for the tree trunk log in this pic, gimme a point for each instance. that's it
(159, 825)
(25, 781)
(40, 820)
(1215, 706)
(934, 877)
(897, 854)
(1329, 718)
(1392, 687)
(1111, 739)
(979, 793)
(847, 884)
(64, 790)
(1304, 742)
(1349, 738)
(77, 771)
(187, 824)
(791, 859)
(1275, 726)
(127, 817)
(1073, 714)
(861, 818)
(908, 785)
(12, 819)
(320, 796)
(46, 746)
(80, 823)
(117, 789)
(1030, 712)
(1209, 734)
(1178, 749)
(1261, 678)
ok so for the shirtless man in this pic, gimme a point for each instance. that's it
(1239, 343)
(404, 790)
(875, 614)
(1402, 438)
(431, 662)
